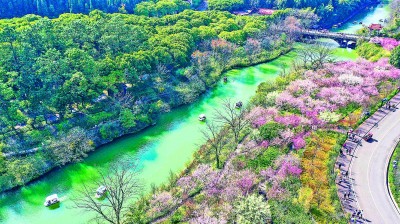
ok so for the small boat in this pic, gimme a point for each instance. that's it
(335, 26)
(381, 20)
(51, 200)
(225, 79)
(360, 23)
(239, 104)
(100, 191)
(202, 117)
(355, 22)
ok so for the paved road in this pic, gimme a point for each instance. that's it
(368, 171)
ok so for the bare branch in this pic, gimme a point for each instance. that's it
(232, 116)
(216, 138)
(122, 184)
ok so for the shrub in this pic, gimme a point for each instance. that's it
(109, 131)
(252, 209)
(271, 130)
(127, 118)
(371, 51)
(265, 159)
(395, 57)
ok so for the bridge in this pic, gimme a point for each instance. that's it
(343, 39)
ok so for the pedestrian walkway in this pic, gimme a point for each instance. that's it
(348, 187)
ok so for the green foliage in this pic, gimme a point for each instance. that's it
(271, 130)
(287, 211)
(395, 57)
(127, 118)
(371, 51)
(330, 117)
(252, 209)
(22, 170)
(178, 216)
(228, 5)
(71, 146)
(82, 70)
(161, 7)
(348, 109)
(53, 8)
(109, 131)
(319, 193)
(136, 213)
(394, 175)
(264, 160)
(97, 118)
(2, 165)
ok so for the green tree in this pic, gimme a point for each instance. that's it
(395, 57)
(271, 130)
(71, 146)
(127, 118)
(252, 209)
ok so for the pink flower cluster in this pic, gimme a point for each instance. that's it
(287, 165)
(162, 202)
(260, 115)
(299, 142)
(335, 86)
(264, 144)
(290, 120)
(387, 43)
(227, 185)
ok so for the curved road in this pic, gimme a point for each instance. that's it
(368, 171)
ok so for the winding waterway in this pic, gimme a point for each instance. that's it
(166, 147)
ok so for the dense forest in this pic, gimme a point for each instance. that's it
(87, 79)
(53, 8)
(331, 11)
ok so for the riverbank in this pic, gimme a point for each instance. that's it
(361, 9)
(159, 143)
(284, 120)
(179, 128)
(119, 131)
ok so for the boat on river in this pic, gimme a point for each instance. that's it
(101, 191)
(238, 104)
(202, 117)
(51, 200)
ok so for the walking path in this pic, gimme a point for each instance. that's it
(366, 188)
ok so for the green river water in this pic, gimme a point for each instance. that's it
(166, 147)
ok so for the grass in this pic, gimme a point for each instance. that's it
(394, 175)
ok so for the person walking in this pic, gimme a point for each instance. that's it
(355, 213)
(359, 214)
(340, 178)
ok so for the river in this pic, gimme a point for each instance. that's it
(163, 148)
